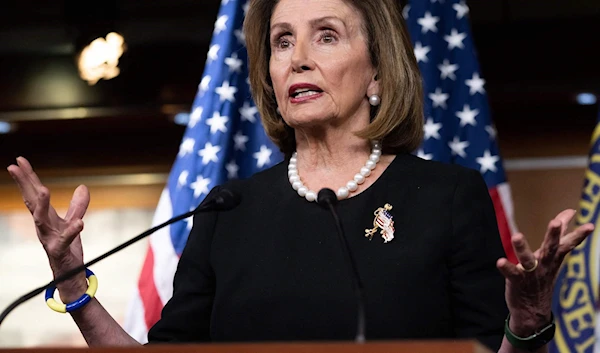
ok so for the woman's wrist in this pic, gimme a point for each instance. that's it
(72, 288)
(527, 325)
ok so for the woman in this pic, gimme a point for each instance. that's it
(337, 85)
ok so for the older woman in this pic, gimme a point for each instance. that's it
(339, 91)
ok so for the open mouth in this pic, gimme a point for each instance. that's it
(305, 92)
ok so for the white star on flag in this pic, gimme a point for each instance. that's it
(447, 70)
(406, 11)
(421, 52)
(234, 63)
(458, 147)
(241, 37)
(475, 84)
(487, 162)
(182, 179)
(213, 53)
(491, 131)
(209, 153)
(246, 7)
(186, 147)
(205, 84)
(455, 39)
(195, 116)
(240, 141)
(432, 129)
(232, 170)
(226, 92)
(248, 112)
(467, 116)
(200, 186)
(461, 9)
(189, 222)
(439, 98)
(263, 156)
(217, 123)
(221, 24)
(428, 22)
(427, 156)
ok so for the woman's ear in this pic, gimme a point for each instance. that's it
(374, 87)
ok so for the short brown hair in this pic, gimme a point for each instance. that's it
(397, 121)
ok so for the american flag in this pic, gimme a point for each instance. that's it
(458, 126)
(224, 139)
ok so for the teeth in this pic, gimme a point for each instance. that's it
(306, 94)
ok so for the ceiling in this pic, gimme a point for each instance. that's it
(535, 55)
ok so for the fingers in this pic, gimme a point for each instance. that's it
(574, 238)
(28, 170)
(565, 217)
(79, 203)
(72, 231)
(551, 242)
(508, 269)
(40, 213)
(522, 251)
(26, 187)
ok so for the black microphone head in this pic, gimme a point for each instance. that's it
(226, 199)
(326, 197)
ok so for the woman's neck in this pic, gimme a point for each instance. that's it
(331, 161)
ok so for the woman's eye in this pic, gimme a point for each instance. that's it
(328, 39)
(283, 44)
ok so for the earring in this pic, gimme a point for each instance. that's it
(374, 100)
(278, 111)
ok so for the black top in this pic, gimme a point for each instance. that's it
(273, 268)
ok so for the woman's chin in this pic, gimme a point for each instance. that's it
(308, 121)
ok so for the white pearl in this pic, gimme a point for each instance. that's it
(302, 191)
(359, 179)
(343, 192)
(352, 185)
(374, 100)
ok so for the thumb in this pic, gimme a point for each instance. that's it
(79, 203)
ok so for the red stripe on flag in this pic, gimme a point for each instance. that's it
(503, 226)
(148, 293)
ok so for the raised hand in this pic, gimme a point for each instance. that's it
(530, 283)
(59, 236)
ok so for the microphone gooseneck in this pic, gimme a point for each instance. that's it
(328, 199)
(223, 199)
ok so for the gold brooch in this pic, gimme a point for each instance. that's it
(384, 220)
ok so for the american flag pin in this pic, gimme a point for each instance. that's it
(384, 221)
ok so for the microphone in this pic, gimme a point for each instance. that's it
(221, 199)
(328, 199)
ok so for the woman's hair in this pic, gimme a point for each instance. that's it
(397, 121)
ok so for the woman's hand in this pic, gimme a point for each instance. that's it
(530, 284)
(59, 236)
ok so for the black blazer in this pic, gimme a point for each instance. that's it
(273, 269)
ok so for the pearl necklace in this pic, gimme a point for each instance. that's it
(342, 192)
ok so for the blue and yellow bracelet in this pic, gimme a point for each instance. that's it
(84, 299)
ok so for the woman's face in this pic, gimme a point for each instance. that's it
(320, 64)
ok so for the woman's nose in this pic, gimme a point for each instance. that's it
(301, 60)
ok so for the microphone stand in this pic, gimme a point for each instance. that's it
(224, 199)
(327, 198)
